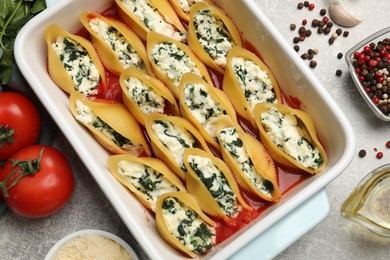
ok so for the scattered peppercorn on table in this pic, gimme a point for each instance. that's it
(335, 237)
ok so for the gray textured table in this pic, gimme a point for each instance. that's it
(334, 238)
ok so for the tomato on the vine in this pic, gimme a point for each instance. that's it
(37, 181)
(20, 123)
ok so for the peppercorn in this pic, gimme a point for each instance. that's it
(293, 26)
(326, 30)
(320, 30)
(301, 30)
(304, 22)
(388, 144)
(304, 56)
(329, 24)
(362, 153)
(339, 55)
(379, 155)
(300, 5)
(346, 33)
(311, 6)
(339, 31)
(316, 51)
(339, 73)
(331, 41)
(296, 48)
(321, 24)
(323, 12)
(306, 3)
(296, 40)
(313, 64)
(315, 23)
(307, 33)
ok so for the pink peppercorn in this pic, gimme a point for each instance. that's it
(379, 155)
(311, 6)
(366, 49)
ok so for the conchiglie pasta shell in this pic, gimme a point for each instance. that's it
(305, 121)
(157, 86)
(161, 151)
(192, 38)
(185, 16)
(153, 163)
(156, 38)
(231, 84)
(215, 94)
(56, 68)
(197, 189)
(106, 52)
(119, 119)
(162, 6)
(262, 162)
(162, 228)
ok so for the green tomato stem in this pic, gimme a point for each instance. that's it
(6, 135)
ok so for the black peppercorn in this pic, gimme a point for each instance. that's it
(331, 40)
(313, 64)
(304, 56)
(326, 30)
(306, 3)
(339, 31)
(329, 24)
(339, 55)
(362, 153)
(296, 39)
(296, 48)
(323, 12)
(315, 23)
(320, 30)
(300, 5)
(339, 73)
(308, 33)
(346, 33)
(301, 30)
(310, 56)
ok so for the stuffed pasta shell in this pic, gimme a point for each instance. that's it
(171, 59)
(211, 34)
(182, 224)
(73, 63)
(111, 124)
(210, 181)
(143, 95)
(248, 81)
(169, 136)
(183, 7)
(203, 104)
(290, 137)
(118, 47)
(249, 161)
(147, 178)
(158, 16)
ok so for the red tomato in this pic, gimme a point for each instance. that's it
(43, 193)
(17, 114)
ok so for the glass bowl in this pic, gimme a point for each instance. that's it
(352, 61)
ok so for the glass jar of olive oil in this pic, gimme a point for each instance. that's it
(369, 202)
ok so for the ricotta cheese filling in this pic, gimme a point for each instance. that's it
(147, 14)
(78, 64)
(125, 53)
(174, 139)
(213, 36)
(146, 180)
(291, 137)
(88, 117)
(187, 4)
(233, 144)
(173, 61)
(217, 184)
(204, 108)
(145, 97)
(184, 224)
(254, 82)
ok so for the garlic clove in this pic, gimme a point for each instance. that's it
(342, 17)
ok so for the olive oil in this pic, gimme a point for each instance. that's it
(369, 203)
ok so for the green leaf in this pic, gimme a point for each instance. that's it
(6, 7)
(16, 25)
(38, 6)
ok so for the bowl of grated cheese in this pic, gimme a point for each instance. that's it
(91, 244)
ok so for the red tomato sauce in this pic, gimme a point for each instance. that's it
(287, 178)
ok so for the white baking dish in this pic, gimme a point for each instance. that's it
(295, 78)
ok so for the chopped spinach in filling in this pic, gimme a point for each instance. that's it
(217, 184)
(126, 54)
(145, 97)
(173, 61)
(146, 180)
(87, 117)
(184, 224)
(233, 144)
(204, 108)
(147, 14)
(186, 4)
(291, 137)
(78, 64)
(213, 36)
(174, 139)
(255, 83)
